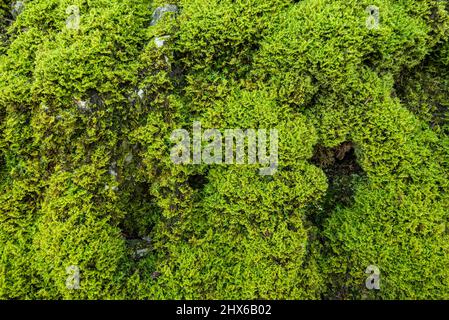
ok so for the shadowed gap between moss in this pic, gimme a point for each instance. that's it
(342, 170)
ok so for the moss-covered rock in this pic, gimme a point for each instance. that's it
(91, 91)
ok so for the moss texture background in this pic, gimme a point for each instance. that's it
(85, 172)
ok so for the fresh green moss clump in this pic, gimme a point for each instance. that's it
(93, 207)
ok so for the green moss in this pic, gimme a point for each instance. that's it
(86, 179)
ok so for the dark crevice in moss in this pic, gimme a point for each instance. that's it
(341, 167)
(197, 181)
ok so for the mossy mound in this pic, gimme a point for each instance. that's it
(91, 91)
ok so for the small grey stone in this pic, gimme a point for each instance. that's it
(114, 188)
(140, 93)
(160, 41)
(44, 108)
(17, 8)
(112, 172)
(160, 11)
(129, 157)
(82, 105)
(147, 239)
(142, 252)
